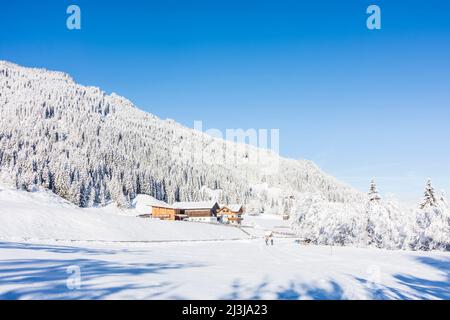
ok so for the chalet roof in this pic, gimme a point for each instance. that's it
(161, 205)
(235, 207)
(194, 205)
(232, 207)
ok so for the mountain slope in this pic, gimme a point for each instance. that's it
(93, 148)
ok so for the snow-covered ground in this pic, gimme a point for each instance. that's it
(46, 242)
(246, 269)
(267, 221)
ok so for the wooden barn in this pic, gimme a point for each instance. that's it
(198, 211)
(165, 213)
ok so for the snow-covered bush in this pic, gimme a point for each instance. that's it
(381, 224)
(431, 230)
(329, 223)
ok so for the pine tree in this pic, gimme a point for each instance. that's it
(432, 225)
(373, 216)
(429, 196)
(373, 193)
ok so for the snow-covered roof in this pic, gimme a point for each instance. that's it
(235, 207)
(160, 205)
(146, 201)
(232, 207)
(194, 205)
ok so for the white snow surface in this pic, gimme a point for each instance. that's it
(246, 269)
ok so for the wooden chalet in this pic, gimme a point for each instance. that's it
(231, 214)
(191, 211)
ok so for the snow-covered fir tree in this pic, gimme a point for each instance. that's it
(373, 192)
(429, 199)
(386, 222)
(377, 217)
(431, 229)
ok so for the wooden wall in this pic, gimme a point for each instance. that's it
(164, 213)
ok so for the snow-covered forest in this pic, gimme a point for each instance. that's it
(382, 223)
(92, 149)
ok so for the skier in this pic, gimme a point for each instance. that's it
(269, 238)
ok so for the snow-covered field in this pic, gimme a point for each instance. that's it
(244, 269)
(46, 243)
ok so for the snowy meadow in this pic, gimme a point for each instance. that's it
(245, 269)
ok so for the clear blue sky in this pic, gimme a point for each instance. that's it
(359, 103)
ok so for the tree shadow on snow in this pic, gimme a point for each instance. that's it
(293, 291)
(54, 248)
(410, 287)
(47, 278)
(416, 287)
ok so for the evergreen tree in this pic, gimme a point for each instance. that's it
(429, 196)
(373, 192)
(376, 213)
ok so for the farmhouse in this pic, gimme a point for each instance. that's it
(231, 214)
(206, 211)
(198, 211)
